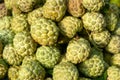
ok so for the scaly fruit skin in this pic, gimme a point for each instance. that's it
(19, 23)
(3, 10)
(101, 39)
(31, 70)
(93, 5)
(115, 60)
(13, 72)
(3, 68)
(5, 22)
(34, 15)
(114, 45)
(83, 78)
(44, 31)
(65, 71)
(24, 44)
(78, 50)
(8, 4)
(93, 21)
(54, 9)
(117, 30)
(94, 66)
(26, 5)
(48, 56)
(75, 8)
(6, 36)
(11, 56)
(113, 73)
(69, 26)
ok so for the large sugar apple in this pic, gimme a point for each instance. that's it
(115, 60)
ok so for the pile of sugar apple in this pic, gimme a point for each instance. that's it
(60, 40)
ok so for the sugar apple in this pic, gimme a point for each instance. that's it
(114, 45)
(3, 10)
(94, 66)
(44, 31)
(27, 5)
(78, 50)
(115, 60)
(93, 5)
(93, 21)
(75, 8)
(3, 68)
(32, 70)
(34, 15)
(48, 56)
(70, 25)
(84, 78)
(101, 39)
(24, 44)
(65, 71)
(54, 9)
(11, 56)
(19, 23)
(113, 73)
(6, 36)
(8, 4)
(5, 22)
(13, 72)
(16, 11)
(117, 30)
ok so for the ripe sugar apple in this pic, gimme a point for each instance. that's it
(78, 50)
(54, 9)
(5, 22)
(69, 26)
(34, 15)
(24, 44)
(93, 21)
(101, 39)
(114, 45)
(115, 60)
(44, 31)
(94, 66)
(48, 56)
(3, 10)
(3, 68)
(13, 72)
(19, 23)
(26, 5)
(113, 73)
(6, 36)
(31, 71)
(11, 56)
(65, 71)
(93, 5)
(83, 78)
(75, 8)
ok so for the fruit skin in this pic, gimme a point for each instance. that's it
(117, 30)
(5, 22)
(75, 8)
(78, 50)
(13, 72)
(44, 31)
(8, 4)
(26, 5)
(34, 15)
(114, 45)
(113, 73)
(19, 23)
(11, 56)
(48, 56)
(24, 44)
(101, 39)
(54, 10)
(93, 21)
(115, 60)
(94, 66)
(70, 25)
(3, 68)
(65, 71)
(31, 70)
(6, 36)
(93, 5)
